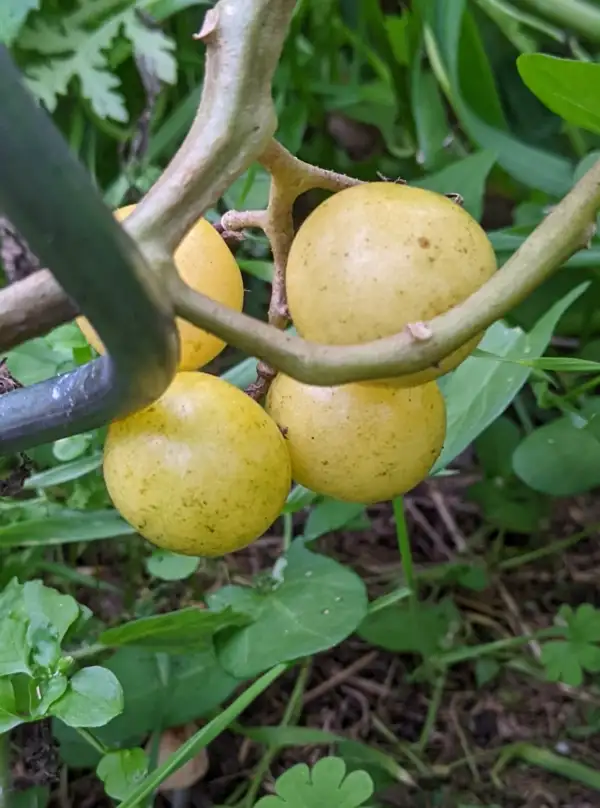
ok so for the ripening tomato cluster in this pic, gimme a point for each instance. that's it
(205, 470)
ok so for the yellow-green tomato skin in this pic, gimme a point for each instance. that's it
(357, 442)
(203, 471)
(375, 257)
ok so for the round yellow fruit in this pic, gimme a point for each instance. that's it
(206, 264)
(356, 442)
(203, 471)
(376, 257)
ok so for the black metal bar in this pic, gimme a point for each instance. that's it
(51, 200)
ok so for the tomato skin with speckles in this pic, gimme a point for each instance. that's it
(373, 258)
(203, 471)
(357, 442)
(207, 265)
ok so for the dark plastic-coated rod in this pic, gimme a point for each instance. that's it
(49, 197)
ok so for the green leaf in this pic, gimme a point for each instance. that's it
(9, 717)
(93, 698)
(495, 447)
(325, 784)
(179, 632)
(153, 45)
(561, 458)
(290, 736)
(73, 51)
(529, 165)
(159, 692)
(318, 604)
(510, 505)
(480, 390)
(68, 526)
(50, 616)
(171, 566)
(404, 629)
(13, 14)
(429, 111)
(37, 797)
(298, 499)
(14, 648)
(50, 691)
(566, 660)
(65, 473)
(466, 177)
(568, 87)
(329, 515)
(121, 771)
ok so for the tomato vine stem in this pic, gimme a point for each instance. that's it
(567, 229)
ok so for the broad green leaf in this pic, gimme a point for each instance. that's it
(330, 515)
(50, 690)
(510, 505)
(93, 698)
(263, 270)
(65, 473)
(46, 605)
(179, 632)
(50, 616)
(171, 566)
(14, 648)
(159, 691)
(404, 629)
(13, 14)
(568, 87)
(560, 458)
(9, 716)
(68, 526)
(325, 784)
(480, 390)
(466, 177)
(318, 604)
(37, 797)
(121, 771)
(495, 447)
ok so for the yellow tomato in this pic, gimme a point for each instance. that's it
(206, 264)
(203, 471)
(356, 442)
(373, 258)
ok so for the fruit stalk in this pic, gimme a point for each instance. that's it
(290, 177)
(567, 229)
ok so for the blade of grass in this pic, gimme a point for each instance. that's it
(202, 738)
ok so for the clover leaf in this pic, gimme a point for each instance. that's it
(325, 784)
(566, 660)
